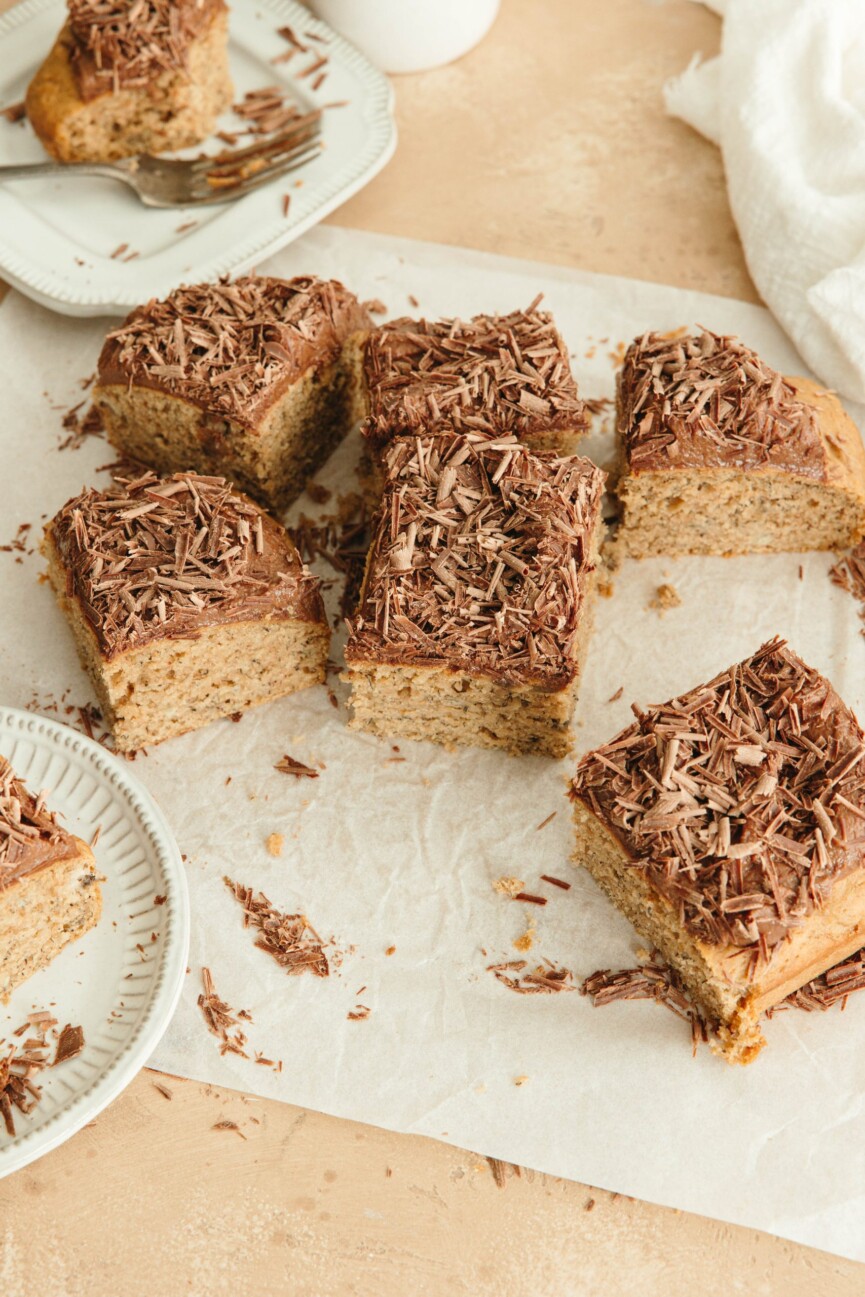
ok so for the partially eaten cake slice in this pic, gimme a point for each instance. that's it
(474, 609)
(49, 888)
(139, 76)
(728, 825)
(493, 375)
(257, 380)
(720, 454)
(187, 602)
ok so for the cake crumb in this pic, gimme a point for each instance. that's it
(665, 597)
(526, 941)
(508, 886)
(274, 843)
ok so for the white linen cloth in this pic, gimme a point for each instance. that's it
(785, 100)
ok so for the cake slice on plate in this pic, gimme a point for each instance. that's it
(187, 603)
(474, 609)
(728, 825)
(143, 76)
(719, 454)
(49, 888)
(256, 380)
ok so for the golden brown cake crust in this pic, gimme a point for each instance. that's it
(151, 559)
(480, 561)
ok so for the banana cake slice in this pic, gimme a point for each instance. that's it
(474, 609)
(187, 603)
(256, 380)
(728, 825)
(720, 454)
(141, 76)
(492, 375)
(49, 888)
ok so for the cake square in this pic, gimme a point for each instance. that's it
(135, 77)
(256, 380)
(720, 454)
(49, 888)
(474, 608)
(728, 825)
(491, 375)
(187, 603)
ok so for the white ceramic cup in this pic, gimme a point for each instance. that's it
(410, 35)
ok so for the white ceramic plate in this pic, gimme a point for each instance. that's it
(57, 236)
(121, 995)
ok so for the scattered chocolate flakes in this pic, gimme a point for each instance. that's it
(220, 1018)
(14, 112)
(317, 493)
(269, 110)
(288, 766)
(614, 698)
(480, 559)
(849, 574)
(289, 938)
(29, 832)
(704, 399)
(162, 1089)
(528, 897)
(375, 306)
(546, 979)
(69, 1044)
(358, 1013)
(543, 824)
(286, 203)
(830, 988)
(187, 225)
(20, 542)
(118, 251)
(20, 1064)
(228, 1125)
(742, 802)
(340, 538)
(598, 404)
(492, 375)
(159, 899)
(80, 427)
(230, 345)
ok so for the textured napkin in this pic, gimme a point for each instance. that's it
(785, 100)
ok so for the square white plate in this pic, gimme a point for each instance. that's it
(57, 236)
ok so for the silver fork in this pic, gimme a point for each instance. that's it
(164, 182)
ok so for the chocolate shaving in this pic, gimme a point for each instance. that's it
(289, 938)
(288, 766)
(220, 1018)
(741, 802)
(546, 979)
(480, 559)
(491, 375)
(849, 574)
(703, 400)
(29, 832)
(18, 1089)
(14, 112)
(69, 1044)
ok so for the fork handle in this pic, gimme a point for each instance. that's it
(35, 170)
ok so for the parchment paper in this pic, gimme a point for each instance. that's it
(383, 853)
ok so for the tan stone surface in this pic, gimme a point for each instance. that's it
(548, 141)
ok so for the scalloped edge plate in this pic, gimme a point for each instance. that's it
(123, 979)
(57, 236)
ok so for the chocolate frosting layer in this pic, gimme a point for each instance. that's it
(128, 45)
(741, 802)
(480, 560)
(155, 558)
(708, 401)
(232, 348)
(491, 375)
(30, 836)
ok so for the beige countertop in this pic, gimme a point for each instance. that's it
(548, 141)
